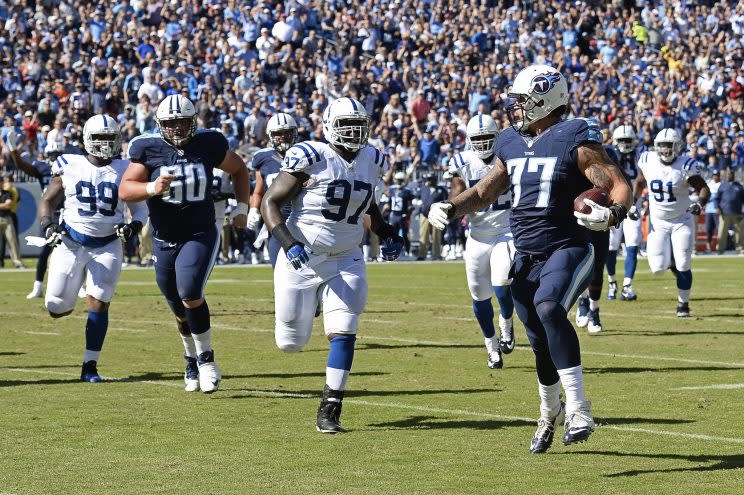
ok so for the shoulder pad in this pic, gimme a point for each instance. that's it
(593, 132)
(301, 156)
(59, 164)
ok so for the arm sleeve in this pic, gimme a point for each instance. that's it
(301, 158)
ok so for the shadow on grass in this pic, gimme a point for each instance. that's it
(660, 369)
(167, 376)
(11, 353)
(375, 346)
(637, 421)
(713, 462)
(677, 334)
(43, 381)
(437, 423)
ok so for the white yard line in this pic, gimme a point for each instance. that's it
(413, 407)
(720, 386)
(41, 333)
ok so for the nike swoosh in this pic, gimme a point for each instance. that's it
(357, 259)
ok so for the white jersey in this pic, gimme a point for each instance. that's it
(492, 221)
(326, 214)
(668, 189)
(92, 205)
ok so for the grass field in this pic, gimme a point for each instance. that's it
(425, 414)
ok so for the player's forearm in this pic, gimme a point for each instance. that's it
(23, 164)
(638, 187)
(377, 222)
(258, 192)
(475, 198)
(620, 193)
(133, 191)
(242, 181)
(703, 195)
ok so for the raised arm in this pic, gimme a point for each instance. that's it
(12, 140)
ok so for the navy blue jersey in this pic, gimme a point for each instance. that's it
(401, 199)
(545, 180)
(628, 162)
(267, 162)
(188, 208)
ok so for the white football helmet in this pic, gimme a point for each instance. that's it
(282, 131)
(668, 145)
(346, 124)
(481, 133)
(101, 137)
(176, 119)
(399, 177)
(625, 139)
(536, 92)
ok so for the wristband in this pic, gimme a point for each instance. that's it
(240, 209)
(386, 231)
(620, 212)
(45, 222)
(150, 188)
(282, 234)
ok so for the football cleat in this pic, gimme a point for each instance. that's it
(36, 292)
(594, 326)
(494, 359)
(579, 424)
(543, 438)
(507, 340)
(209, 373)
(612, 291)
(89, 373)
(683, 310)
(627, 294)
(191, 376)
(329, 411)
(582, 312)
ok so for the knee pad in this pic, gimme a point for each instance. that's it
(57, 306)
(289, 339)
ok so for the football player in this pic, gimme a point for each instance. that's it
(548, 162)
(330, 186)
(42, 171)
(222, 190)
(625, 141)
(282, 132)
(399, 206)
(489, 251)
(88, 239)
(173, 171)
(669, 175)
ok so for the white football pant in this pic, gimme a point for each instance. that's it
(487, 264)
(665, 238)
(629, 230)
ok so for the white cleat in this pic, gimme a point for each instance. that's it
(209, 373)
(191, 376)
(36, 292)
(507, 341)
(82, 292)
(579, 423)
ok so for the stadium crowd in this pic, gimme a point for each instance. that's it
(421, 68)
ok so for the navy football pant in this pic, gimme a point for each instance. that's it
(544, 289)
(182, 268)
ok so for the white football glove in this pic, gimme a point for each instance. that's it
(438, 214)
(254, 216)
(11, 140)
(597, 219)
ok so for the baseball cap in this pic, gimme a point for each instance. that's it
(715, 171)
(28, 113)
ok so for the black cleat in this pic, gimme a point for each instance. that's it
(543, 438)
(683, 310)
(329, 411)
(89, 373)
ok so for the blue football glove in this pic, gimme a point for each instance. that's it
(391, 248)
(298, 255)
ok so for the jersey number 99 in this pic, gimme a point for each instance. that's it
(87, 194)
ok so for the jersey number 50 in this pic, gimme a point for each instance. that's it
(191, 185)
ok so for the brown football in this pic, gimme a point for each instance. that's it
(596, 194)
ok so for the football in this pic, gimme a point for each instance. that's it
(596, 194)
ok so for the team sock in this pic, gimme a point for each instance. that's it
(506, 303)
(631, 261)
(340, 357)
(572, 380)
(189, 346)
(683, 295)
(550, 399)
(627, 281)
(95, 333)
(484, 314)
(593, 305)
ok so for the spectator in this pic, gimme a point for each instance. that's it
(7, 228)
(711, 210)
(730, 201)
(429, 194)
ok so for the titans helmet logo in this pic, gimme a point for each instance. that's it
(543, 83)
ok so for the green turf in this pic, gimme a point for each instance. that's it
(425, 414)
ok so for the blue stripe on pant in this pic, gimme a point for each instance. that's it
(182, 268)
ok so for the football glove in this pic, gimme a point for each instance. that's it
(695, 208)
(126, 231)
(298, 255)
(440, 214)
(52, 232)
(391, 247)
(254, 216)
(633, 213)
(597, 219)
